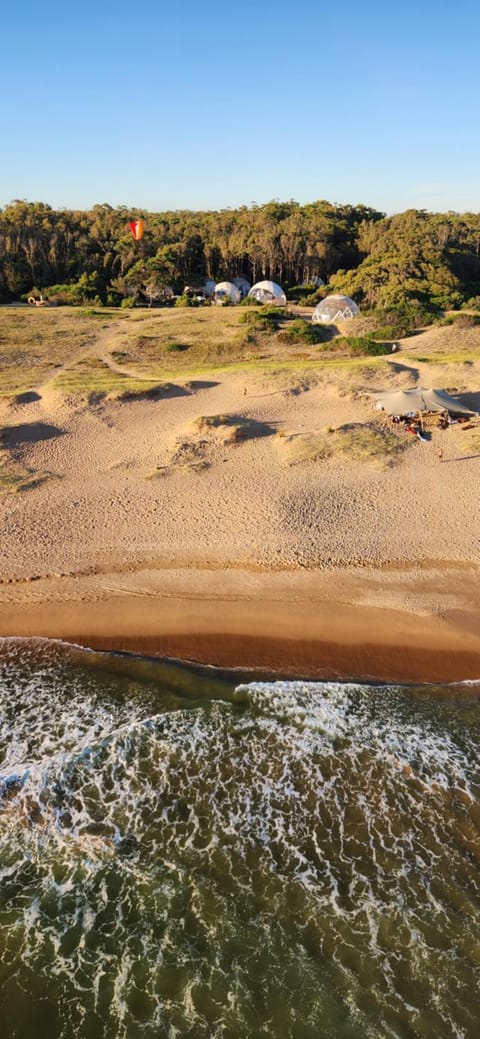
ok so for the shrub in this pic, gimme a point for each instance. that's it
(186, 301)
(312, 298)
(128, 303)
(300, 331)
(302, 293)
(400, 319)
(263, 319)
(249, 301)
(386, 332)
(461, 320)
(359, 345)
(175, 347)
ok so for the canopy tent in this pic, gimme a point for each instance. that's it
(401, 402)
(334, 308)
(226, 290)
(268, 292)
(242, 284)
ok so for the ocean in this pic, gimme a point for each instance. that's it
(187, 853)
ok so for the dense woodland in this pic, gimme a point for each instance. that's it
(80, 256)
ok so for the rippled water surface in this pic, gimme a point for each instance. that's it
(184, 856)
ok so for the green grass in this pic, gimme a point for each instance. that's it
(457, 358)
(33, 342)
(93, 376)
(357, 345)
(170, 343)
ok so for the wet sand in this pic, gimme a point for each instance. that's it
(294, 624)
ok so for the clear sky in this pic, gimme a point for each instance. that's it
(204, 106)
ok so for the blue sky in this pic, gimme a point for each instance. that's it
(205, 106)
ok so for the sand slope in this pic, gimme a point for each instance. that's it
(140, 498)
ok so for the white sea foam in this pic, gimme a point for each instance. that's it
(192, 864)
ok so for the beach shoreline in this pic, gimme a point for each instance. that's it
(254, 518)
(373, 626)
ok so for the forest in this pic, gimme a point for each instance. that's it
(416, 257)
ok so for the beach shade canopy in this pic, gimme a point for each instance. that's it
(334, 308)
(242, 284)
(401, 402)
(226, 290)
(268, 292)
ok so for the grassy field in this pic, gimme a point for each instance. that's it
(34, 343)
(112, 352)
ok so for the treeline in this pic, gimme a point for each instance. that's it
(88, 255)
(430, 258)
(79, 256)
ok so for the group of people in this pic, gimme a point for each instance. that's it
(412, 425)
(445, 420)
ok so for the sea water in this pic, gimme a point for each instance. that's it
(190, 855)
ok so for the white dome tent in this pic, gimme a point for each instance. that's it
(268, 292)
(334, 308)
(226, 290)
(242, 284)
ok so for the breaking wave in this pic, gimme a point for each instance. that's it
(180, 856)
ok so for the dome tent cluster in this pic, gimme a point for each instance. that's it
(335, 307)
(263, 292)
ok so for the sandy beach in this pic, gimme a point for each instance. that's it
(208, 522)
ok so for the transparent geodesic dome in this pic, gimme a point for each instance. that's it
(335, 308)
(227, 290)
(268, 292)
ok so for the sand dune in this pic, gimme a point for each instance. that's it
(262, 482)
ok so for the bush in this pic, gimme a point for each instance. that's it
(186, 301)
(302, 293)
(175, 347)
(266, 316)
(461, 320)
(388, 332)
(360, 345)
(128, 303)
(312, 298)
(401, 319)
(300, 331)
(249, 301)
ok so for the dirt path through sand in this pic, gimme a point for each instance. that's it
(99, 349)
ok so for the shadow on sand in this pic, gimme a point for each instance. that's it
(29, 433)
(462, 458)
(29, 397)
